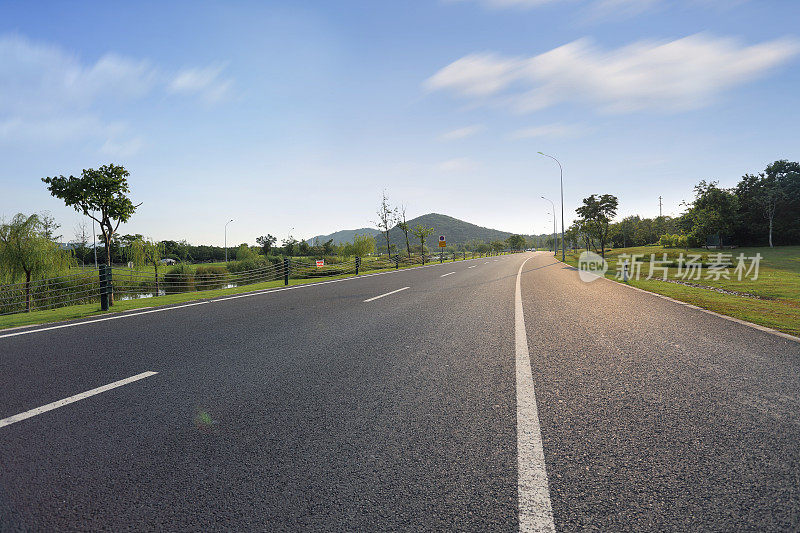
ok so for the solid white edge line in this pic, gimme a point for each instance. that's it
(130, 314)
(443, 275)
(753, 325)
(533, 494)
(66, 401)
(387, 294)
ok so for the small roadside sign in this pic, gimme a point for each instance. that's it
(320, 262)
(442, 241)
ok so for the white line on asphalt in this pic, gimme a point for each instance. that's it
(387, 294)
(533, 494)
(473, 266)
(486, 263)
(66, 401)
(443, 275)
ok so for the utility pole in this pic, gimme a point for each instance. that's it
(659, 207)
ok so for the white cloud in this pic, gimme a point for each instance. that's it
(461, 133)
(204, 81)
(49, 94)
(553, 131)
(682, 74)
(458, 164)
(123, 148)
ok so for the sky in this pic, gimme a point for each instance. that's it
(293, 117)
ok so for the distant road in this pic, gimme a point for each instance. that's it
(430, 398)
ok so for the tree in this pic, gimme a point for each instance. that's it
(498, 246)
(145, 252)
(266, 242)
(596, 214)
(363, 245)
(403, 225)
(26, 250)
(80, 244)
(289, 245)
(422, 232)
(387, 217)
(49, 226)
(516, 242)
(713, 212)
(100, 194)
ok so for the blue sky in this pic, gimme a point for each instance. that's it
(294, 116)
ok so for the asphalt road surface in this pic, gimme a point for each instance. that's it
(479, 395)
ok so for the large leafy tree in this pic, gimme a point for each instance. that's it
(26, 250)
(266, 242)
(713, 212)
(596, 214)
(516, 242)
(100, 194)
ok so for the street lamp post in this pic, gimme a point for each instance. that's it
(555, 230)
(226, 239)
(561, 173)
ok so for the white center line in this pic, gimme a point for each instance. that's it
(486, 263)
(387, 294)
(66, 401)
(473, 266)
(443, 275)
(533, 493)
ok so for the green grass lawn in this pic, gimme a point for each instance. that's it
(778, 284)
(80, 311)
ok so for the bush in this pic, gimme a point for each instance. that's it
(209, 277)
(250, 263)
(179, 278)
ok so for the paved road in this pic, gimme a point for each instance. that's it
(312, 408)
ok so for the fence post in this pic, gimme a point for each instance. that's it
(104, 274)
(285, 270)
(397, 261)
(441, 257)
(358, 264)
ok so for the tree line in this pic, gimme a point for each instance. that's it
(760, 210)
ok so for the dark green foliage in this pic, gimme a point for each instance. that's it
(209, 277)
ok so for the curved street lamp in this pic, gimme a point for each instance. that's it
(561, 170)
(226, 239)
(555, 239)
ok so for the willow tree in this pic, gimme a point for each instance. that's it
(26, 250)
(100, 194)
(142, 252)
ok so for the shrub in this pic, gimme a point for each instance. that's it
(209, 277)
(179, 278)
(251, 263)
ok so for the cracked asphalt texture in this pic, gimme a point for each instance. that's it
(309, 409)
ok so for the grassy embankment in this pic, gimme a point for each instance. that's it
(81, 311)
(772, 300)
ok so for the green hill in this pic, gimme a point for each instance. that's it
(456, 232)
(345, 235)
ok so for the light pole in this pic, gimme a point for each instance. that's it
(226, 239)
(555, 238)
(561, 171)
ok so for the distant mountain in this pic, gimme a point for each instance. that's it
(455, 231)
(345, 235)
